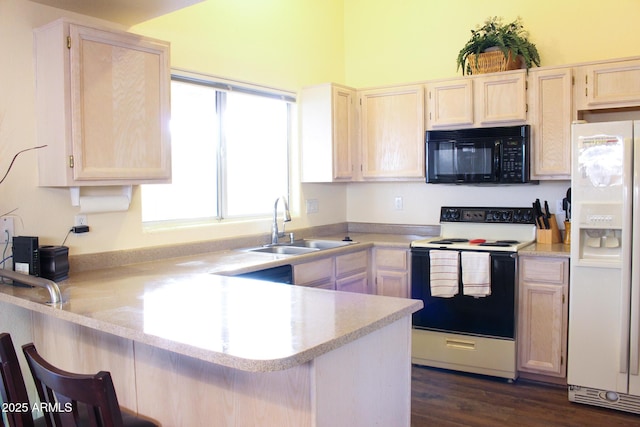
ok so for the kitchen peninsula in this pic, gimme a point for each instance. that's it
(185, 346)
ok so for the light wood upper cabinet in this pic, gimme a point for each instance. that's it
(543, 315)
(392, 133)
(450, 103)
(551, 113)
(103, 106)
(501, 98)
(608, 85)
(477, 101)
(327, 130)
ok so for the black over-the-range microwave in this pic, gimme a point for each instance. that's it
(497, 155)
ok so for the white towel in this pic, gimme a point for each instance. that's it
(476, 274)
(443, 275)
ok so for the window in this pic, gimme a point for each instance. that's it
(230, 153)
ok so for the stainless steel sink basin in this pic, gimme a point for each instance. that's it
(299, 247)
(284, 250)
(320, 244)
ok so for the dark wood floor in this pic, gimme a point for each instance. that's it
(445, 398)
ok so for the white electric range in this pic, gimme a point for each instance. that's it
(460, 329)
(495, 229)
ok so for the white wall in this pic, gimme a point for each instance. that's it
(47, 212)
(421, 202)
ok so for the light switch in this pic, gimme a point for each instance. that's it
(312, 206)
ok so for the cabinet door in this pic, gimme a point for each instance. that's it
(543, 316)
(354, 283)
(119, 98)
(550, 95)
(392, 129)
(327, 128)
(343, 119)
(354, 262)
(102, 103)
(500, 98)
(450, 103)
(392, 272)
(314, 273)
(610, 85)
(392, 283)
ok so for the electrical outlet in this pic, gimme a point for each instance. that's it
(398, 204)
(80, 219)
(6, 229)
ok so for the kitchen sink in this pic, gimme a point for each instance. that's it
(320, 244)
(300, 247)
(284, 250)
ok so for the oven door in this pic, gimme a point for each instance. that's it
(492, 315)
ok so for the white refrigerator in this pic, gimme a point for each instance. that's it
(603, 366)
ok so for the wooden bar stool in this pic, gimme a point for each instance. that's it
(13, 391)
(75, 400)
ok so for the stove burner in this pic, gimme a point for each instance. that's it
(449, 241)
(501, 243)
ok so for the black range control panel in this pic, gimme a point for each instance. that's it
(487, 215)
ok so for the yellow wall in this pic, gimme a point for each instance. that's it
(288, 44)
(280, 43)
(394, 41)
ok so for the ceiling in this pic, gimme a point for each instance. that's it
(126, 12)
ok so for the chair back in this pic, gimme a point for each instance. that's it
(13, 392)
(67, 398)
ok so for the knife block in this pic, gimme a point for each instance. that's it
(552, 235)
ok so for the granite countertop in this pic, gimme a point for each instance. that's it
(558, 250)
(178, 305)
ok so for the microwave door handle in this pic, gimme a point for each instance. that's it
(497, 156)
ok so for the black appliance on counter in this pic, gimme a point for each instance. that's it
(497, 155)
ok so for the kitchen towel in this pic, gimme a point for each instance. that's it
(476, 274)
(443, 275)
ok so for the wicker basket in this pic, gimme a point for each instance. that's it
(492, 62)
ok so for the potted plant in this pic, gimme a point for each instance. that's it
(509, 39)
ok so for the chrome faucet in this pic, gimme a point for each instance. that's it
(287, 217)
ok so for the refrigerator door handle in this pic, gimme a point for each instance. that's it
(626, 294)
(633, 268)
(625, 324)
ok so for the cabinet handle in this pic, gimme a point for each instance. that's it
(71, 161)
(68, 42)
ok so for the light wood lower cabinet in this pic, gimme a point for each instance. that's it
(317, 274)
(543, 315)
(352, 273)
(391, 271)
(348, 272)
